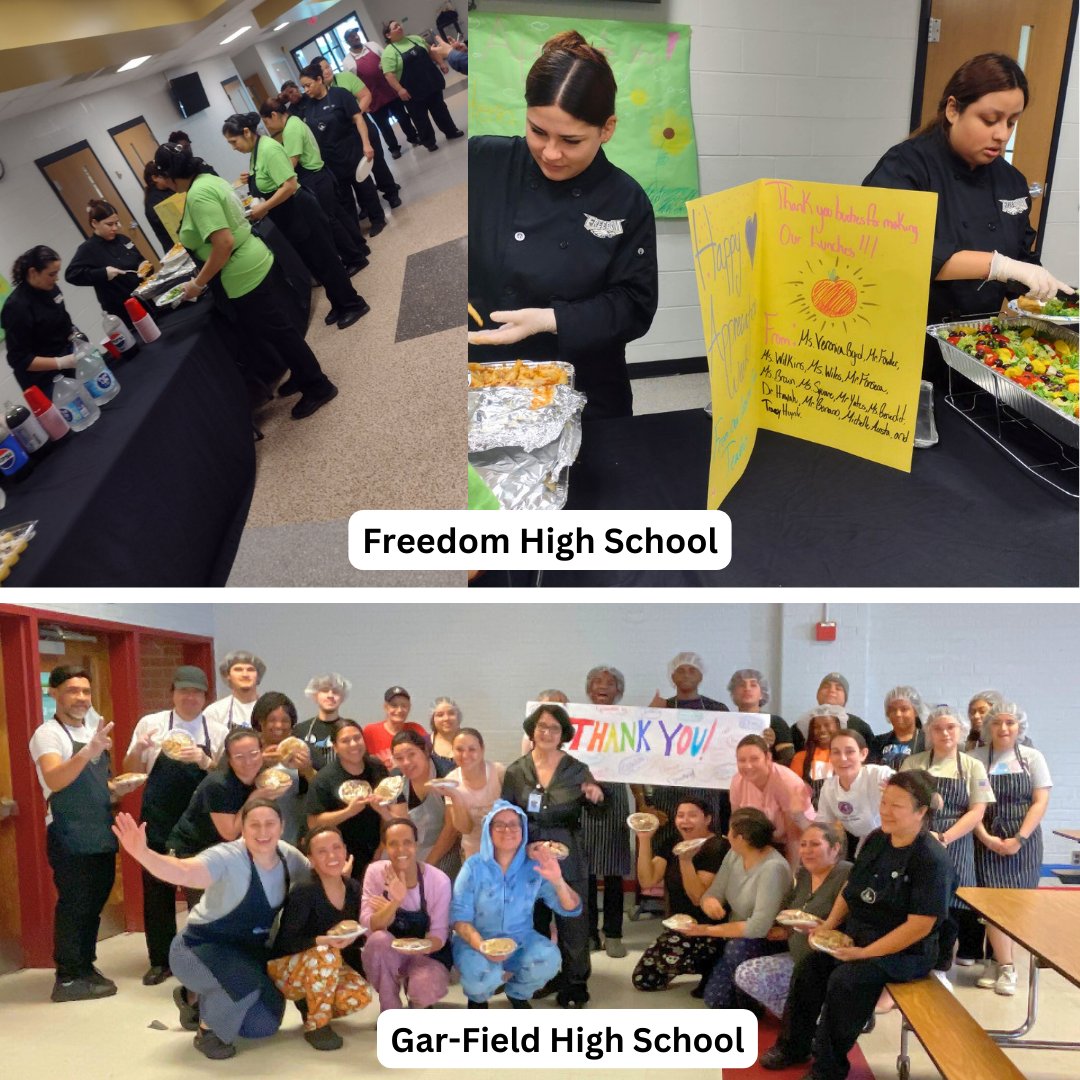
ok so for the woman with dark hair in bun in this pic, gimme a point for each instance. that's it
(296, 211)
(35, 321)
(892, 907)
(244, 274)
(107, 260)
(552, 788)
(983, 232)
(562, 245)
(156, 192)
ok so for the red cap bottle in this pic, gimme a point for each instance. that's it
(146, 328)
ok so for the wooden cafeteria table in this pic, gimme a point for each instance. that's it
(1044, 922)
(1069, 834)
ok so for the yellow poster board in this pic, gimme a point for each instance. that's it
(813, 302)
(171, 213)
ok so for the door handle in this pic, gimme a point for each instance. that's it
(1035, 190)
(8, 808)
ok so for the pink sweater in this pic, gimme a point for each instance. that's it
(775, 802)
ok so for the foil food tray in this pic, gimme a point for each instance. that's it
(166, 279)
(1041, 413)
(509, 365)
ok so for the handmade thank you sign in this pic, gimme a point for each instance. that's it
(813, 300)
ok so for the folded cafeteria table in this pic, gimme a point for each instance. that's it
(157, 491)
(808, 515)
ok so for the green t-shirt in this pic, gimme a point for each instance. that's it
(392, 61)
(348, 81)
(211, 206)
(270, 166)
(299, 142)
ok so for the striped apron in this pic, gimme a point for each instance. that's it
(1014, 793)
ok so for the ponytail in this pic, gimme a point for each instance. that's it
(238, 122)
(575, 76)
(99, 210)
(987, 73)
(37, 258)
(175, 161)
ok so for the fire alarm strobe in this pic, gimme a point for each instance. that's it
(825, 631)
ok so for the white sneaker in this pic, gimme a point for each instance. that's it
(1006, 981)
(944, 980)
(988, 979)
(964, 961)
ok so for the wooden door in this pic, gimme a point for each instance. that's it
(76, 175)
(237, 94)
(91, 651)
(1037, 33)
(136, 142)
(257, 89)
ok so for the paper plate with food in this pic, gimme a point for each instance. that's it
(354, 789)
(679, 922)
(174, 742)
(170, 296)
(797, 917)
(559, 850)
(643, 822)
(389, 789)
(273, 779)
(498, 946)
(127, 782)
(289, 747)
(410, 944)
(684, 847)
(828, 941)
(345, 932)
(442, 784)
(1054, 310)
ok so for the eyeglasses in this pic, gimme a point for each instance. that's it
(550, 729)
(506, 826)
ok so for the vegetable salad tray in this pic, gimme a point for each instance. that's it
(1026, 363)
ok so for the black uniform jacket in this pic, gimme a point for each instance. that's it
(88, 267)
(982, 209)
(585, 247)
(35, 323)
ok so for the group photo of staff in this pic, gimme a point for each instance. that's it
(264, 845)
(621, 326)
(257, 223)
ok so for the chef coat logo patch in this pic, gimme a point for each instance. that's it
(603, 229)
(1014, 206)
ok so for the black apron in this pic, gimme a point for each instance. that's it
(168, 791)
(1014, 793)
(293, 216)
(954, 791)
(416, 924)
(419, 74)
(235, 948)
(82, 812)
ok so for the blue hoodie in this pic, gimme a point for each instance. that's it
(501, 904)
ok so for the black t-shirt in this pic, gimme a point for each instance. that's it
(887, 884)
(308, 914)
(331, 119)
(887, 749)
(318, 734)
(701, 703)
(35, 323)
(218, 793)
(360, 833)
(708, 858)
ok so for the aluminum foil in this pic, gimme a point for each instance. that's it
(1052, 420)
(522, 453)
(166, 279)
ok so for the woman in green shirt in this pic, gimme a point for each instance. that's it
(303, 151)
(297, 213)
(242, 269)
(417, 80)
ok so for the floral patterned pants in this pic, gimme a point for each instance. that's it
(673, 954)
(331, 987)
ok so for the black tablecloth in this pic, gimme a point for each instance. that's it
(157, 491)
(808, 515)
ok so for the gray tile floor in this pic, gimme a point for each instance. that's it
(436, 275)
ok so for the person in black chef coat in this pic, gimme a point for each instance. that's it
(107, 260)
(983, 236)
(562, 245)
(157, 191)
(35, 321)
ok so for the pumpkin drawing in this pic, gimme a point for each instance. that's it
(834, 296)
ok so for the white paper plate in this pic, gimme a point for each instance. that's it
(678, 922)
(1058, 320)
(685, 846)
(363, 170)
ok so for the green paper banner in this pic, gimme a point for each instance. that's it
(654, 141)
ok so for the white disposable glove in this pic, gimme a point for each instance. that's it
(1040, 283)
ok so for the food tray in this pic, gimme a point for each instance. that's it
(510, 364)
(1053, 421)
(1057, 320)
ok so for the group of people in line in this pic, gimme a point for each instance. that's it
(316, 167)
(449, 860)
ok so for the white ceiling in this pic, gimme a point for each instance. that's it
(205, 44)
